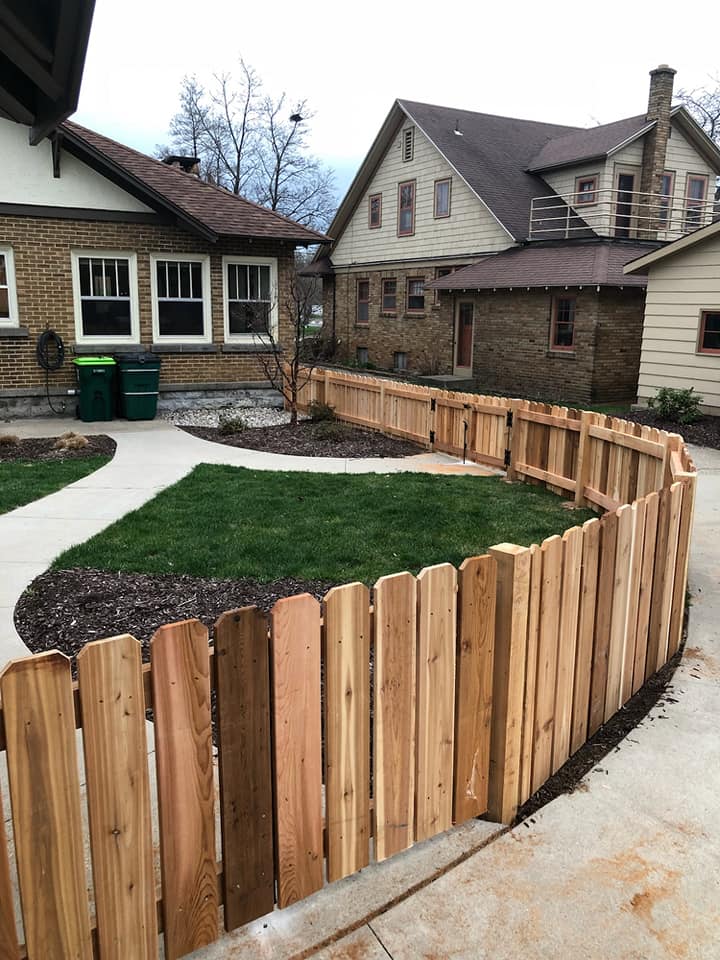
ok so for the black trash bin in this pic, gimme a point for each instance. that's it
(138, 385)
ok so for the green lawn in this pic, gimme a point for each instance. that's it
(230, 522)
(22, 481)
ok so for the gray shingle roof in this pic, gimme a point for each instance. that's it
(556, 265)
(586, 144)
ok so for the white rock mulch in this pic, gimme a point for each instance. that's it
(197, 416)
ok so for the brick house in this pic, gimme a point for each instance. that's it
(118, 252)
(489, 248)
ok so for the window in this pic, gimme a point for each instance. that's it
(562, 332)
(363, 301)
(444, 272)
(416, 295)
(406, 209)
(695, 200)
(408, 144)
(399, 360)
(709, 340)
(375, 211)
(389, 296)
(181, 298)
(442, 199)
(586, 190)
(250, 294)
(666, 192)
(8, 297)
(105, 296)
(362, 356)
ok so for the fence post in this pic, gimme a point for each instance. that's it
(513, 586)
(582, 472)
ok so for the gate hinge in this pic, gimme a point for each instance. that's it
(432, 436)
(509, 418)
(507, 458)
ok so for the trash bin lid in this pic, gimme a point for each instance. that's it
(125, 359)
(94, 361)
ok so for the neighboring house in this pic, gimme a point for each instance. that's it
(118, 252)
(541, 217)
(681, 335)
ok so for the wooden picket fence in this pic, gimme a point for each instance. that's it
(343, 731)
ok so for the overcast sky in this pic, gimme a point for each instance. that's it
(555, 61)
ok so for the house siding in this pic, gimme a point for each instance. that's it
(470, 228)
(679, 288)
(42, 253)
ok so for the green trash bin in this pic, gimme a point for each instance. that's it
(138, 385)
(95, 377)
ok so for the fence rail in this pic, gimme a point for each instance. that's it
(445, 696)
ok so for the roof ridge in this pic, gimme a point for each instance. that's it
(497, 116)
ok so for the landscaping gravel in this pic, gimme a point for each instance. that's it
(212, 416)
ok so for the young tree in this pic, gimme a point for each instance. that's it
(704, 105)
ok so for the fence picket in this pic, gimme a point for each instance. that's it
(118, 792)
(603, 621)
(9, 947)
(586, 630)
(295, 633)
(242, 690)
(186, 792)
(347, 729)
(547, 660)
(645, 594)
(633, 575)
(618, 624)
(39, 720)
(437, 630)
(531, 661)
(572, 550)
(681, 567)
(477, 581)
(395, 675)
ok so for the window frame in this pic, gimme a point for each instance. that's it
(76, 255)
(383, 308)
(204, 260)
(690, 201)
(14, 319)
(666, 221)
(707, 351)
(358, 301)
(436, 215)
(411, 231)
(240, 260)
(378, 197)
(414, 310)
(554, 347)
(591, 178)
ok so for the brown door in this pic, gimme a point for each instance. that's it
(463, 353)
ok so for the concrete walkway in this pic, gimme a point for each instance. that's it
(628, 866)
(150, 456)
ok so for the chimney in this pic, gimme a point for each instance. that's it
(655, 147)
(189, 165)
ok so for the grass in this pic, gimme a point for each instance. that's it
(227, 522)
(22, 481)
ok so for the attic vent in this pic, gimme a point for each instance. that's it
(457, 131)
(408, 144)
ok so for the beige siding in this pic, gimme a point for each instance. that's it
(563, 183)
(679, 288)
(469, 229)
(683, 159)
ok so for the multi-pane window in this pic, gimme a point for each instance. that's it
(362, 356)
(8, 307)
(104, 296)
(562, 333)
(442, 199)
(400, 360)
(695, 200)
(416, 295)
(180, 298)
(709, 341)
(408, 144)
(406, 209)
(389, 296)
(666, 192)
(586, 190)
(249, 298)
(363, 301)
(375, 211)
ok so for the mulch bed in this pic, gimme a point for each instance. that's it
(704, 433)
(43, 448)
(312, 439)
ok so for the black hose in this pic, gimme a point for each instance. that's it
(50, 352)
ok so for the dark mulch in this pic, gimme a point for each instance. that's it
(705, 433)
(65, 609)
(312, 439)
(43, 448)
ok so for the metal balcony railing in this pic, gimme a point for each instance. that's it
(628, 214)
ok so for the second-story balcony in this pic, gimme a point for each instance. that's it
(626, 214)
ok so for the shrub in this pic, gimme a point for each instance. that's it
(70, 441)
(319, 411)
(333, 431)
(679, 406)
(9, 440)
(229, 425)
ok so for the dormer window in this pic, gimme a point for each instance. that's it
(408, 144)
(586, 190)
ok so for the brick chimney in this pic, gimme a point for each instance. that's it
(655, 147)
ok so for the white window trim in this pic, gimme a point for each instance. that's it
(13, 320)
(204, 260)
(131, 258)
(251, 337)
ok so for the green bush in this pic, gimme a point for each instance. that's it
(317, 410)
(229, 425)
(679, 406)
(333, 431)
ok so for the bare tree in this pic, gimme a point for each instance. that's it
(704, 105)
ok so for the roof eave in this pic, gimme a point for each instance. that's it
(677, 246)
(566, 163)
(692, 129)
